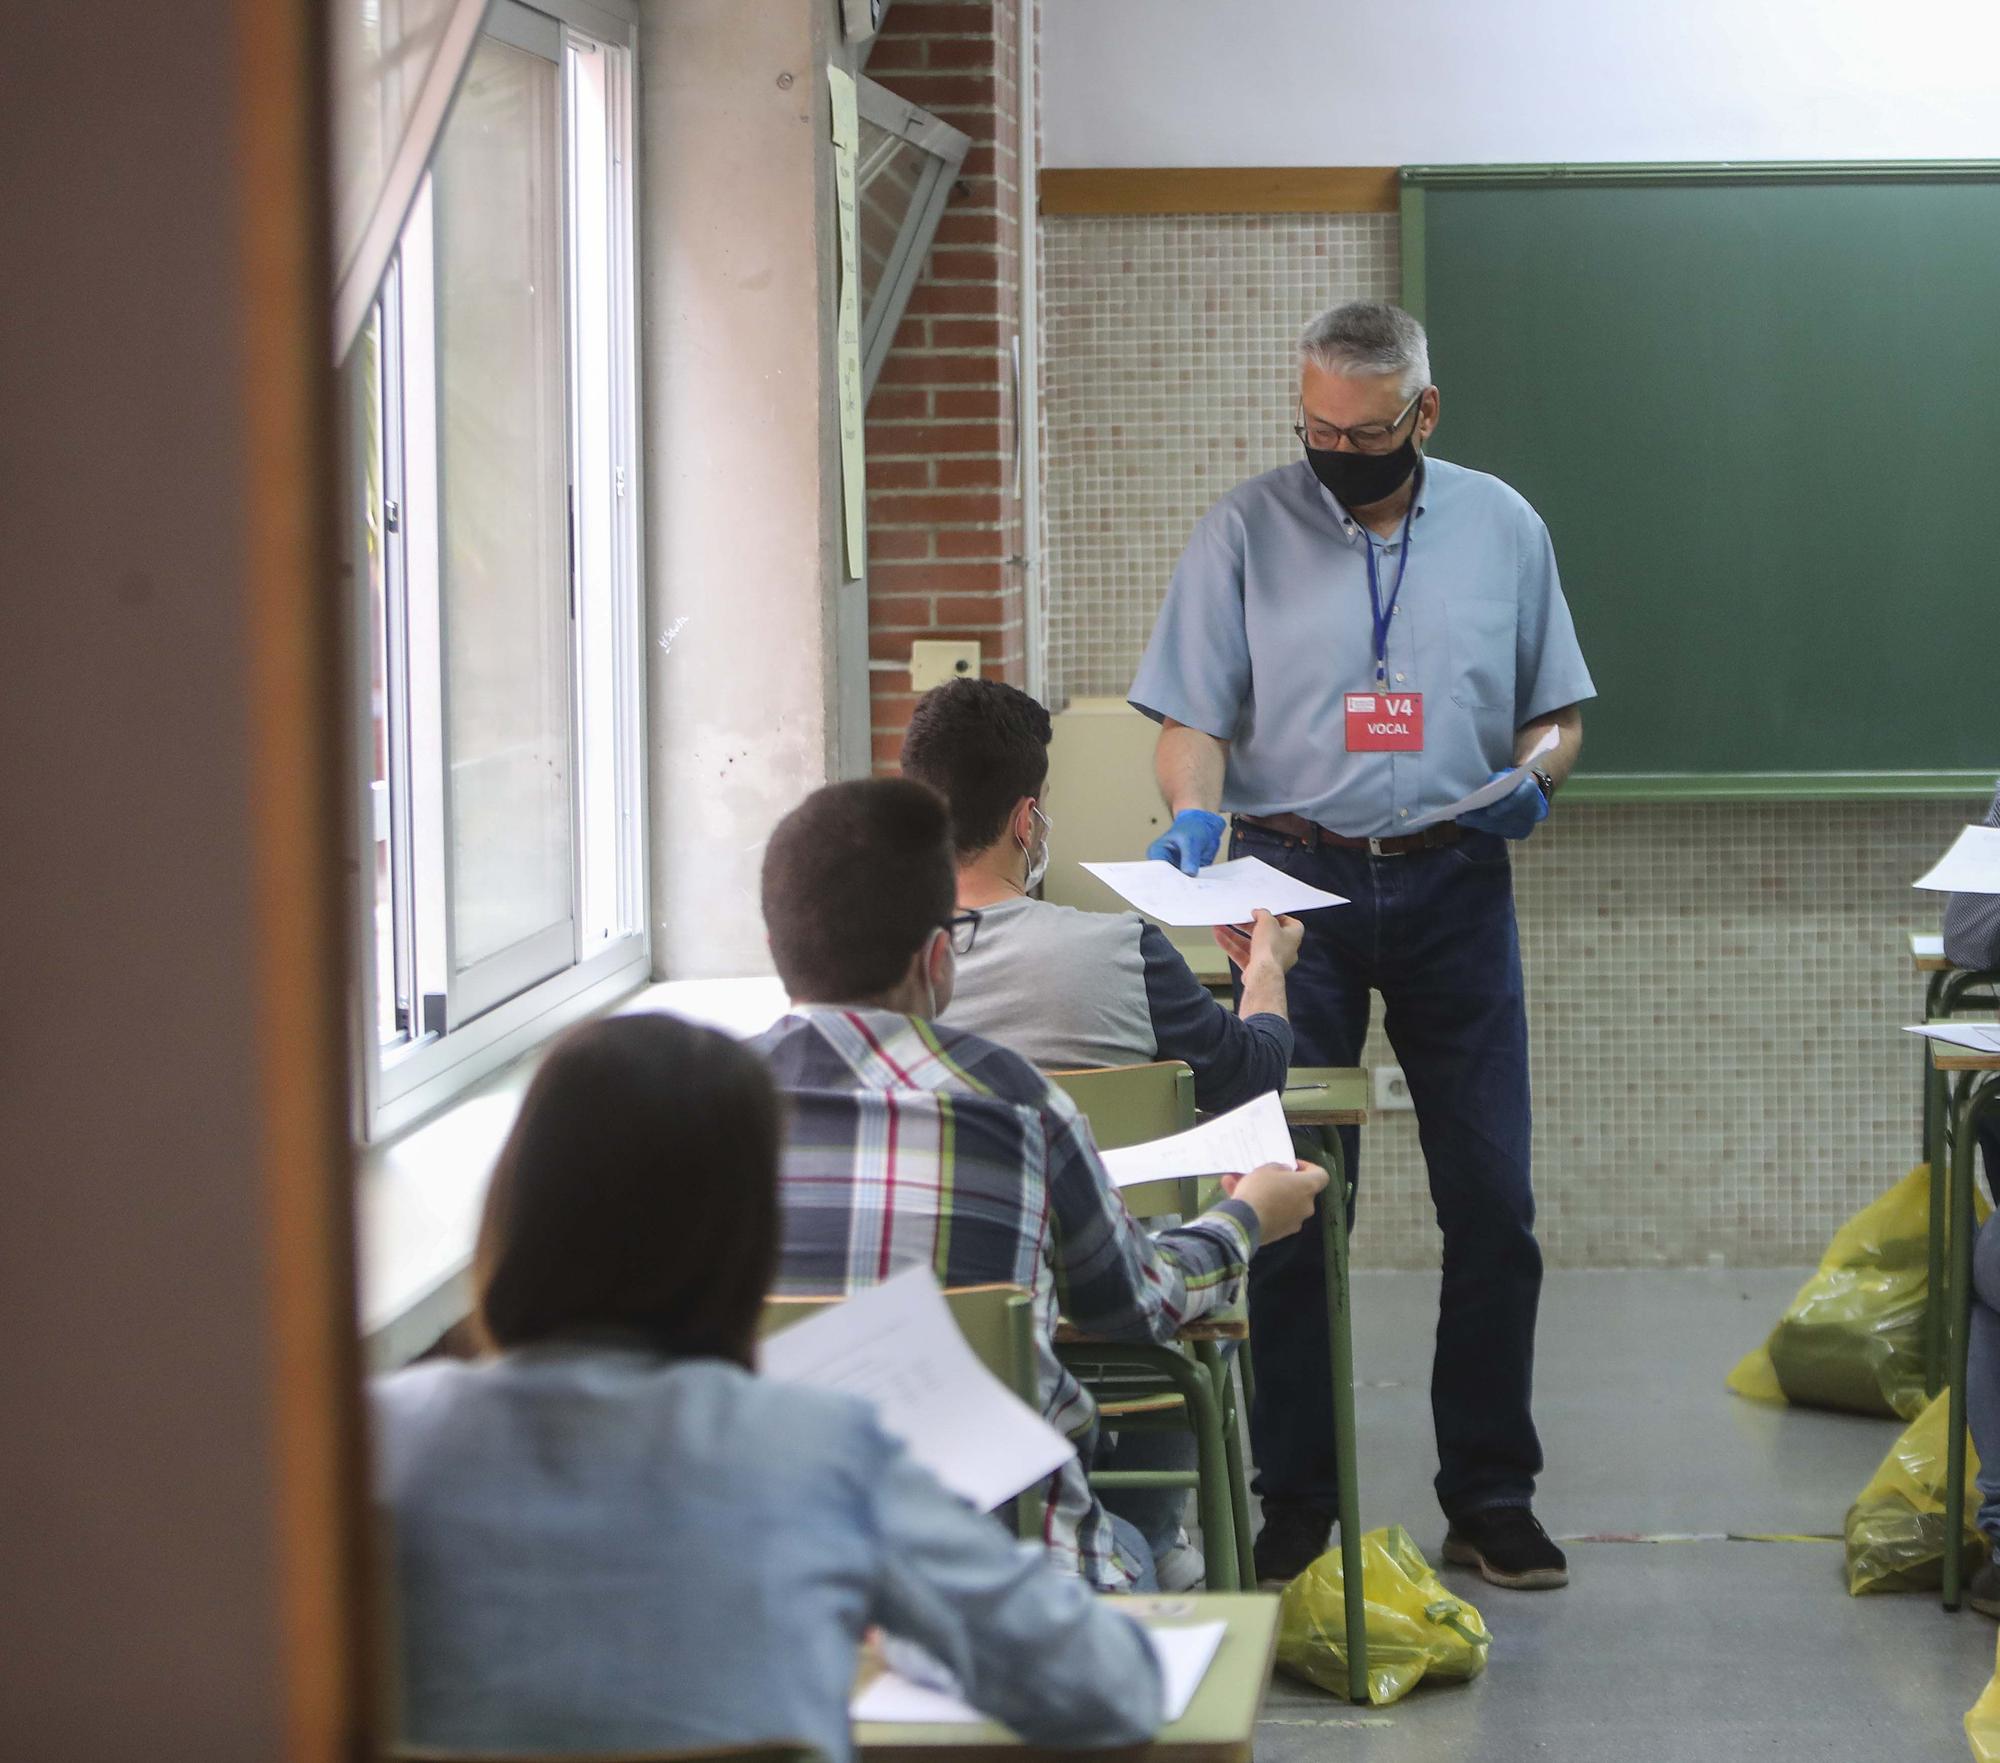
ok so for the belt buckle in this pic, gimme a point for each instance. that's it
(1376, 848)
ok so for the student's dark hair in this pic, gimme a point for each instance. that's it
(856, 879)
(637, 1194)
(982, 745)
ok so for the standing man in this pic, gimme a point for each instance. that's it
(1349, 642)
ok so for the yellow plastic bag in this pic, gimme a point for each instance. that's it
(1982, 1720)
(1853, 1338)
(1416, 1628)
(1895, 1528)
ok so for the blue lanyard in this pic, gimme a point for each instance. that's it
(1384, 613)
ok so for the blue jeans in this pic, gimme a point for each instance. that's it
(1137, 1557)
(1158, 1514)
(1982, 1371)
(1434, 933)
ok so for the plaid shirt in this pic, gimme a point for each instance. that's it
(911, 1142)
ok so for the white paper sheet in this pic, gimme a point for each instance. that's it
(1224, 893)
(1981, 1037)
(1185, 1655)
(896, 1346)
(1927, 948)
(1971, 866)
(1235, 1143)
(1487, 794)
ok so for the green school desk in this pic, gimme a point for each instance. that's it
(1975, 1080)
(1949, 991)
(1218, 1727)
(1334, 1096)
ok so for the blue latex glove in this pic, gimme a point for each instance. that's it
(1515, 815)
(1191, 842)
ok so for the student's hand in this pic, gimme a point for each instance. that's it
(1280, 1194)
(1191, 843)
(1271, 941)
(1514, 816)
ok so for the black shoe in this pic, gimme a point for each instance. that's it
(1294, 1537)
(1982, 1591)
(1509, 1548)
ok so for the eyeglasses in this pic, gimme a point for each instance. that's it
(963, 929)
(1365, 437)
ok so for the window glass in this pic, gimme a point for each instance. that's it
(504, 537)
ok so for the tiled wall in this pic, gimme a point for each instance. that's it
(1714, 990)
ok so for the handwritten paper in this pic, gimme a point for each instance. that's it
(1185, 1655)
(897, 1348)
(1981, 1037)
(1224, 893)
(1971, 866)
(1487, 794)
(1235, 1143)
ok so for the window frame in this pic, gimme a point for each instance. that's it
(403, 1082)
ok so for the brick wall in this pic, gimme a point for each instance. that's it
(944, 511)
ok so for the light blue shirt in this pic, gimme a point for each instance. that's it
(1267, 626)
(599, 1549)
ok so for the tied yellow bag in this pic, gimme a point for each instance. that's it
(1982, 1720)
(1416, 1629)
(1853, 1337)
(1895, 1528)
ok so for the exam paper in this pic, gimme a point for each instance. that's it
(1927, 948)
(1235, 1143)
(1185, 1655)
(1224, 893)
(896, 1346)
(1971, 866)
(1981, 1037)
(1488, 793)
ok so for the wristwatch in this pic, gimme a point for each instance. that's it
(1544, 782)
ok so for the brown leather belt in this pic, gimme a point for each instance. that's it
(1312, 835)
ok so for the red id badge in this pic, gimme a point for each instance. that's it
(1385, 722)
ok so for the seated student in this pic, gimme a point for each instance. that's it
(614, 1536)
(1069, 988)
(1972, 939)
(912, 1141)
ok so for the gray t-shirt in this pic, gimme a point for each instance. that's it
(1068, 989)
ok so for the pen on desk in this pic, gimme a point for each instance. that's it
(1298, 1089)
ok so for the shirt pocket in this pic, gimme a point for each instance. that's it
(1480, 635)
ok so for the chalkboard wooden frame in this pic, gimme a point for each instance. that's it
(1627, 786)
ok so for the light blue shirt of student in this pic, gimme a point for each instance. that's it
(599, 1549)
(1268, 626)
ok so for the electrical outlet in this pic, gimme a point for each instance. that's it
(1392, 1089)
(931, 664)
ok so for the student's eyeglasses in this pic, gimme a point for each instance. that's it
(963, 929)
(1367, 437)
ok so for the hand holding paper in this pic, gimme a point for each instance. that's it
(1496, 789)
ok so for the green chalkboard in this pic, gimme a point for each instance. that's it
(1759, 408)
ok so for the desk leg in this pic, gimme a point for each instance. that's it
(1973, 1101)
(1234, 1419)
(1340, 1328)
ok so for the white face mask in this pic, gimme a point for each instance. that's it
(1038, 860)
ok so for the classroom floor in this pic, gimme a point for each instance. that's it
(1713, 1651)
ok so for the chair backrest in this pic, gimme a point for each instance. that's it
(780, 1751)
(1129, 1105)
(998, 1323)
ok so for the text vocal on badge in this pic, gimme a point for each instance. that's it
(1385, 722)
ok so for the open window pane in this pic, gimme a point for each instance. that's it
(504, 581)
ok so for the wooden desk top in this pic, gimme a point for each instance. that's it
(1326, 1095)
(1218, 1727)
(1926, 952)
(1946, 1057)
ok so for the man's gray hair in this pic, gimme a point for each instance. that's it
(1367, 337)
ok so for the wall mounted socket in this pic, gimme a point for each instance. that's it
(931, 664)
(1392, 1089)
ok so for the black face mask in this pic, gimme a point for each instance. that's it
(1360, 480)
